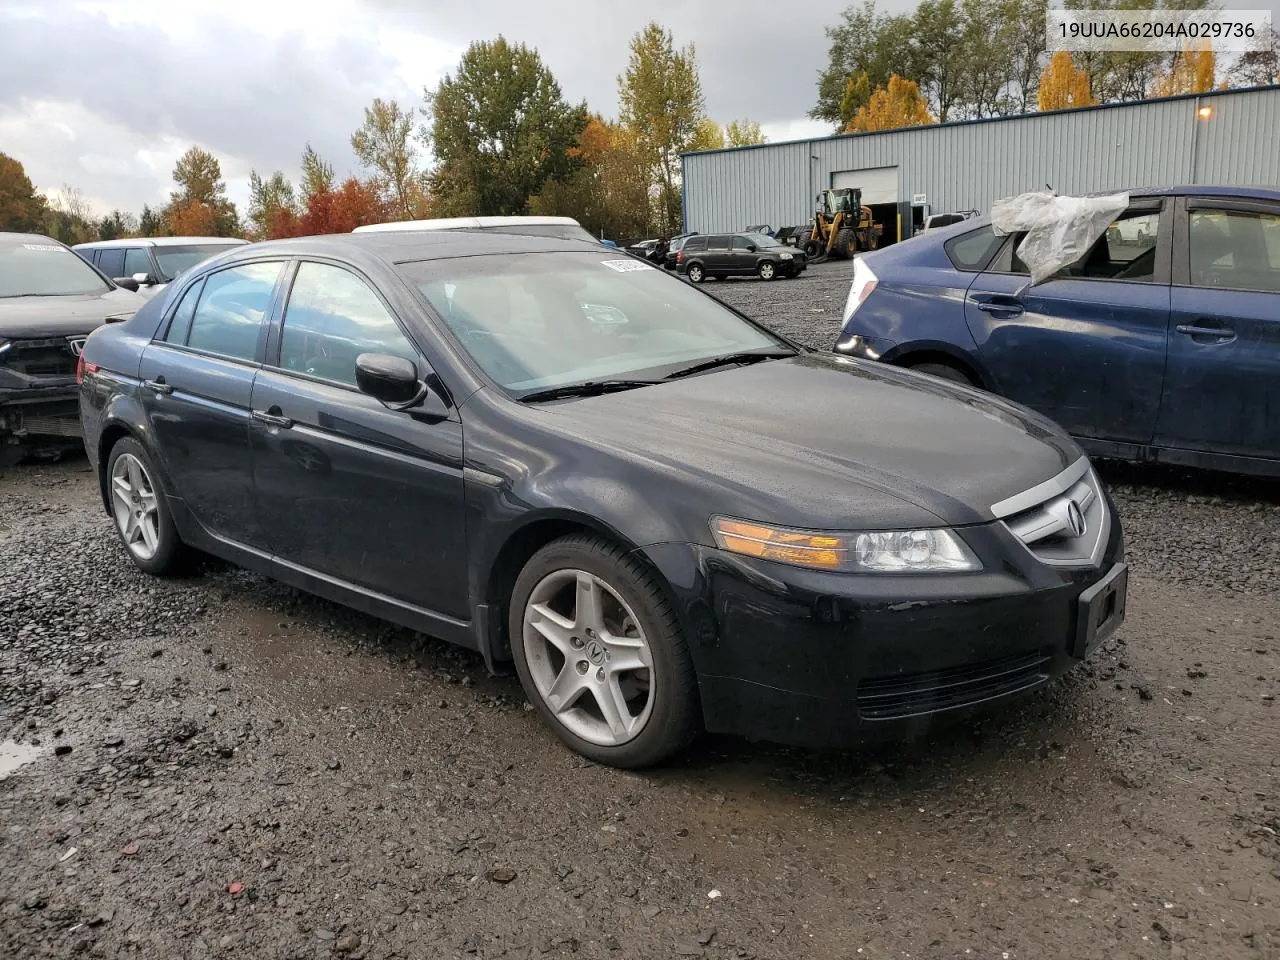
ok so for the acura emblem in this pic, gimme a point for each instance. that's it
(1075, 519)
(76, 345)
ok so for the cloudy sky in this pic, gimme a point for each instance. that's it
(105, 95)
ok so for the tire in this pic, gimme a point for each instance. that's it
(846, 243)
(811, 249)
(695, 273)
(766, 270)
(944, 371)
(140, 511)
(544, 623)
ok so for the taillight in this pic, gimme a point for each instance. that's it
(679, 256)
(83, 367)
(864, 281)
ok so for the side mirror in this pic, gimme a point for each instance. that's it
(393, 380)
(144, 279)
(751, 248)
(129, 283)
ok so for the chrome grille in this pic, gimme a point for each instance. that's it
(1064, 521)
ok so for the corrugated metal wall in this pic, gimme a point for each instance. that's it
(971, 165)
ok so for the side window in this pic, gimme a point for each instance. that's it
(111, 262)
(717, 244)
(695, 244)
(1235, 249)
(333, 317)
(740, 244)
(229, 316)
(1126, 251)
(180, 324)
(136, 261)
(973, 250)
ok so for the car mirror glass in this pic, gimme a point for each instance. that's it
(129, 283)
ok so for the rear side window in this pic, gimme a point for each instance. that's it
(1235, 249)
(694, 244)
(717, 243)
(180, 325)
(231, 310)
(111, 262)
(973, 250)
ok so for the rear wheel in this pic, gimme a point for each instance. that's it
(139, 509)
(944, 371)
(600, 653)
(765, 270)
(695, 273)
(846, 243)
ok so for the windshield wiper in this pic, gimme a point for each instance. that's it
(589, 388)
(728, 359)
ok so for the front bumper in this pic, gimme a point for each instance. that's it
(40, 413)
(825, 660)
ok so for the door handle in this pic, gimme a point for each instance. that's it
(158, 386)
(1223, 334)
(993, 307)
(274, 419)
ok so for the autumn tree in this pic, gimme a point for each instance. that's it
(266, 199)
(151, 222)
(1063, 84)
(662, 105)
(317, 176)
(707, 136)
(744, 133)
(22, 209)
(69, 217)
(352, 205)
(865, 49)
(609, 193)
(1192, 70)
(384, 145)
(500, 129)
(199, 207)
(898, 104)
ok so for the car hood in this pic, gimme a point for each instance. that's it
(29, 317)
(824, 441)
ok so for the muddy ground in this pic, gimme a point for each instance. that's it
(219, 766)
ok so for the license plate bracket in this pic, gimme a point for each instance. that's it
(1100, 610)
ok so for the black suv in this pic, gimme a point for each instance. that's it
(738, 255)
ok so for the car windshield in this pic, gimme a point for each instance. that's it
(538, 321)
(37, 268)
(763, 240)
(178, 259)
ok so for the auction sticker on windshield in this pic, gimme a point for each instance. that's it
(623, 266)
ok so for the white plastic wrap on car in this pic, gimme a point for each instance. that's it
(1059, 230)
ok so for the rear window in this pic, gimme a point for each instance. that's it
(973, 250)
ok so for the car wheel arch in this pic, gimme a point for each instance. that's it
(112, 433)
(910, 355)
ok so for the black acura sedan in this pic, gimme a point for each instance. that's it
(571, 461)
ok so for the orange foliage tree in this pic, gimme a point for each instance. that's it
(1192, 70)
(899, 104)
(339, 210)
(1063, 85)
(192, 219)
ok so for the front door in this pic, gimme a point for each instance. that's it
(350, 488)
(1222, 391)
(1086, 347)
(741, 261)
(197, 385)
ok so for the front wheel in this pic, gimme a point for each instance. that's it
(765, 270)
(139, 509)
(600, 653)
(695, 273)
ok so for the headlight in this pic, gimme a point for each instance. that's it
(120, 317)
(784, 256)
(5, 344)
(880, 551)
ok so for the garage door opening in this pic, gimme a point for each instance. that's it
(879, 186)
(885, 216)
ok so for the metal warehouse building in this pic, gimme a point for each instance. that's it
(1225, 137)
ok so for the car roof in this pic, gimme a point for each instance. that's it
(462, 223)
(411, 246)
(9, 239)
(158, 242)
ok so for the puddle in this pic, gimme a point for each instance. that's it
(13, 756)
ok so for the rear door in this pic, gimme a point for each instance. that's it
(348, 486)
(1086, 347)
(198, 379)
(1222, 390)
(718, 258)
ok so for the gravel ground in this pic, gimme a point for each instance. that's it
(223, 767)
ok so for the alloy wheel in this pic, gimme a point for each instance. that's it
(588, 657)
(134, 506)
